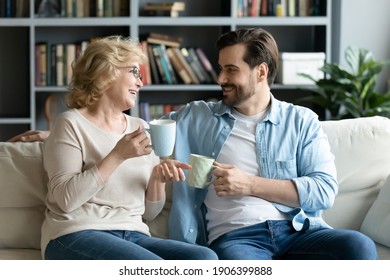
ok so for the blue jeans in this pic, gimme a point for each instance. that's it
(122, 245)
(278, 240)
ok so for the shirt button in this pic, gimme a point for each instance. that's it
(191, 230)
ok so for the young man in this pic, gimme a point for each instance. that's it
(276, 171)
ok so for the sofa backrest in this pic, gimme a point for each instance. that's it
(22, 195)
(362, 158)
(361, 154)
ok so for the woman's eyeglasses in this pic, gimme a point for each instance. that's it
(135, 71)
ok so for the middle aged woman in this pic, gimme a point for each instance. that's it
(104, 178)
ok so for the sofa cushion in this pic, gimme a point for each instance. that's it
(377, 222)
(22, 195)
(362, 158)
(20, 254)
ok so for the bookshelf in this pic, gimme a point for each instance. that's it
(22, 102)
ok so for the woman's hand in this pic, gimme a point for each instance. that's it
(134, 144)
(166, 171)
(170, 170)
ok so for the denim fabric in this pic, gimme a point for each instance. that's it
(122, 245)
(279, 240)
(290, 144)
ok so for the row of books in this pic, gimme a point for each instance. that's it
(83, 8)
(171, 9)
(150, 112)
(53, 62)
(168, 62)
(171, 63)
(290, 8)
(14, 8)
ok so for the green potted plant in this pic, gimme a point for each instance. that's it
(350, 93)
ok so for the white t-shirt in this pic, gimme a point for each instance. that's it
(227, 213)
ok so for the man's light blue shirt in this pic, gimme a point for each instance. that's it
(290, 144)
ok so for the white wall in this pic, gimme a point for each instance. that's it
(364, 24)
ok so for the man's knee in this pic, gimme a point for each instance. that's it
(359, 247)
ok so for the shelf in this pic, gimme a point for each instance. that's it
(70, 22)
(199, 26)
(15, 120)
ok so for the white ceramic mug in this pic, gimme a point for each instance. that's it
(199, 176)
(163, 135)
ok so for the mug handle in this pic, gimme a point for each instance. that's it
(148, 131)
(213, 167)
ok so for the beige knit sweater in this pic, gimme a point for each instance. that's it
(78, 199)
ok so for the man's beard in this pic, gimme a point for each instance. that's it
(240, 96)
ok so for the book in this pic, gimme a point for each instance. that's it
(53, 66)
(86, 8)
(171, 9)
(79, 8)
(255, 8)
(239, 8)
(291, 8)
(8, 7)
(193, 65)
(41, 64)
(206, 64)
(145, 68)
(178, 66)
(315, 8)
(22, 8)
(304, 8)
(144, 111)
(194, 78)
(160, 66)
(264, 8)
(162, 39)
(116, 8)
(69, 8)
(125, 8)
(271, 8)
(153, 66)
(168, 71)
(70, 57)
(108, 8)
(205, 76)
(165, 6)
(99, 8)
(172, 73)
(59, 64)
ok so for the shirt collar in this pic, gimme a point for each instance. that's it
(272, 116)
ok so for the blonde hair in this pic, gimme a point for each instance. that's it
(97, 68)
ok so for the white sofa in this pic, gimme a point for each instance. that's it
(361, 148)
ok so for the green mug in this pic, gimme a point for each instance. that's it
(199, 176)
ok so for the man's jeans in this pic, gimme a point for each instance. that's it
(122, 245)
(278, 240)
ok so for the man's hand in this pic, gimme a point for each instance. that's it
(31, 136)
(231, 180)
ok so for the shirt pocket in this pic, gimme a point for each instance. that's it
(286, 169)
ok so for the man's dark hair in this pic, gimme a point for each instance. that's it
(260, 48)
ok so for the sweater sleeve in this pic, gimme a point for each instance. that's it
(69, 185)
(152, 209)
